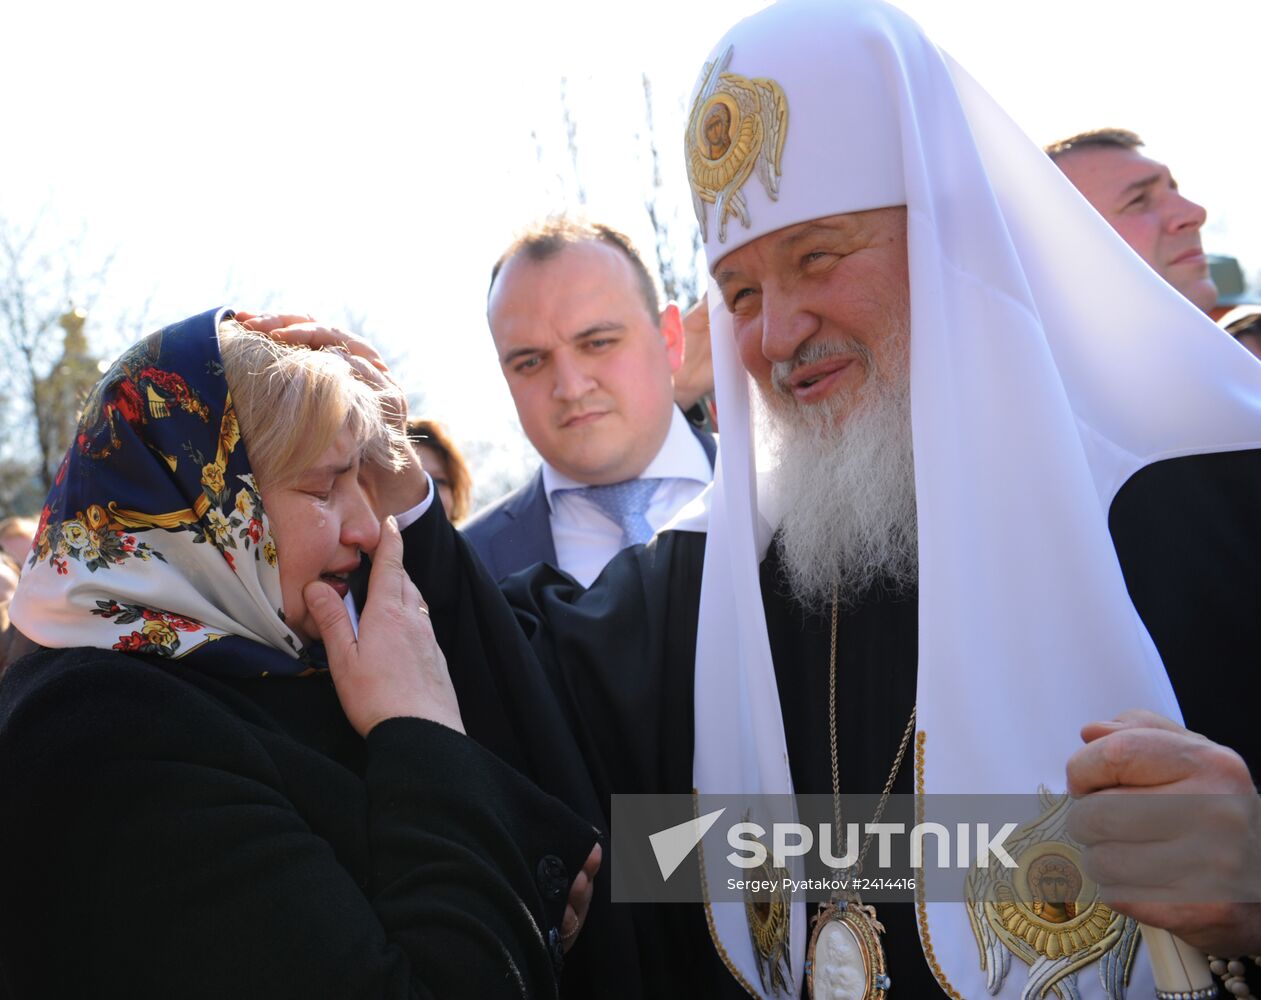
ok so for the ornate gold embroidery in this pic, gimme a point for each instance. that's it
(767, 915)
(1054, 934)
(921, 905)
(709, 915)
(1047, 912)
(737, 125)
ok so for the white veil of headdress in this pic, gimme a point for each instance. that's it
(1048, 364)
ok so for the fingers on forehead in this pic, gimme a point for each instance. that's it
(363, 366)
(307, 332)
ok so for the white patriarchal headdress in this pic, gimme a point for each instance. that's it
(1048, 364)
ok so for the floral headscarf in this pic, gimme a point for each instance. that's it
(154, 539)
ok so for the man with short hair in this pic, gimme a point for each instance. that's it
(1141, 201)
(588, 358)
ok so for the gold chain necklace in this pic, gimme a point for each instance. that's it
(845, 957)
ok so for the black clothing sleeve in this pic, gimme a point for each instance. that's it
(1188, 536)
(158, 843)
(612, 664)
(595, 687)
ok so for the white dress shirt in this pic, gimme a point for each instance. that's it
(586, 538)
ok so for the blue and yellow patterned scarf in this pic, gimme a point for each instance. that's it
(154, 539)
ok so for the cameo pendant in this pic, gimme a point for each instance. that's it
(845, 960)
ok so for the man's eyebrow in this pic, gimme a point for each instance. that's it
(519, 352)
(810, 232)
(607, 326)
(1143, 182)
(790, 243)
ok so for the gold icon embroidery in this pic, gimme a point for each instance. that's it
(737, 125)
(1047, 912)
(767, 914)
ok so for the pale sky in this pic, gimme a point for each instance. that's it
(372, 160)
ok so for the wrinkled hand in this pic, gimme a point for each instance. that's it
(304, 330)
(1192, 867)
(393, 491)
(266, 322)
(580, 894)
(395, 667)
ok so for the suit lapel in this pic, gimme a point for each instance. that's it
(526, 531)
(708, 443)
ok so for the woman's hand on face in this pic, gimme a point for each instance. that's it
(395, 667)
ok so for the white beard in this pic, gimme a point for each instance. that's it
(847, 491)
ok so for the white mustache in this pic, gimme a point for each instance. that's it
(814, 351)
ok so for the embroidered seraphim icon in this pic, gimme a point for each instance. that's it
(737, 126)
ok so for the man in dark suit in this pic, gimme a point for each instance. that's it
(589, 359)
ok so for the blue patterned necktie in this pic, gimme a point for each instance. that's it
(625, 503)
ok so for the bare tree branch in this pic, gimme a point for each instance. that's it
(680, 280)
(48, 372)
(571, 137)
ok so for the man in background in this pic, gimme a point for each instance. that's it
(1140, 200)
(588, 356)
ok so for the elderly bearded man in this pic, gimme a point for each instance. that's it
(1003, 498)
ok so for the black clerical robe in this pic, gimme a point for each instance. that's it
(620, 659)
